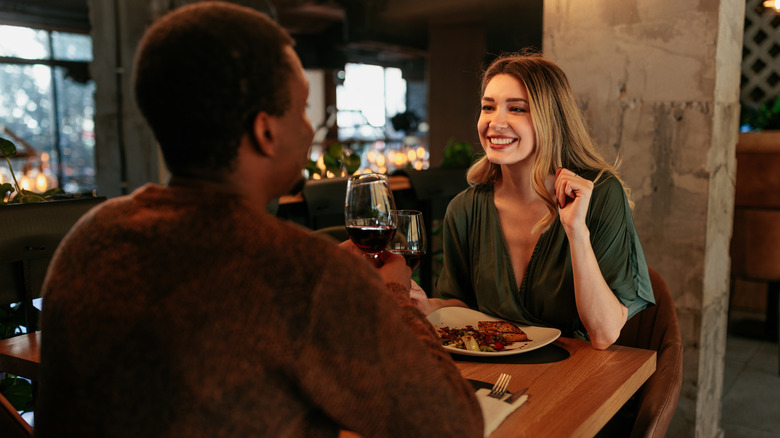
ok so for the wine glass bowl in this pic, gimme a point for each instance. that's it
(369, 213)
(409, 239)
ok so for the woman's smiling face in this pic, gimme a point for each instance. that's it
(505, 129)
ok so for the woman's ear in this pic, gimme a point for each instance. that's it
(264, 134)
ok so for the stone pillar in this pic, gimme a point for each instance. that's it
(126, 152)
(658, 81)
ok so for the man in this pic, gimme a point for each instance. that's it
(187, 310)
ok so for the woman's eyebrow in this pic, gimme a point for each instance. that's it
(511, 99)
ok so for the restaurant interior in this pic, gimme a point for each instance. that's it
(682, 93)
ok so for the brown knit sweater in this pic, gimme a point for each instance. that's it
(177, 312)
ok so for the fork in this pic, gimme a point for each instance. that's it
(499, 389)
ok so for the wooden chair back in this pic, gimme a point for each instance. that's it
(12, 425)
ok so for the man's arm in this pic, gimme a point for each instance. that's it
(376, 366)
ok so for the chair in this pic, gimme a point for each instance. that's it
(338, 232)
(30, 235)
(654, 328)
(12, 425)
(434, 189)
(19, 355)
(324, 201)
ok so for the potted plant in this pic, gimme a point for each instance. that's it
(765, 117)
(760, 128)
(14, 193)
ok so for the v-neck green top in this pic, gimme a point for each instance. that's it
(478, 271)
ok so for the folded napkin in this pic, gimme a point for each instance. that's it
(494, 410)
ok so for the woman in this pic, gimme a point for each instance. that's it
(544, 236)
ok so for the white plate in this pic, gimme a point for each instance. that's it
(460, 317)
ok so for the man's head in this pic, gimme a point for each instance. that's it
(203, 73)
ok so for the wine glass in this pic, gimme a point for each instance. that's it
(409, 239)
(369, 213)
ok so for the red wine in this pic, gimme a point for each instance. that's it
(371, 239)
(413, 258)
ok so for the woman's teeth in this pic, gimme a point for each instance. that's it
(501, 141)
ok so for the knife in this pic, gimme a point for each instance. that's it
(515, 395)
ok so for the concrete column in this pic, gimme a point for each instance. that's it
(126, 153)
(658, 81)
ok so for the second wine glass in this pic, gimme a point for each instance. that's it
(409, 239)
(369, 213)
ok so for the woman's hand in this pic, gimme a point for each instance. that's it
(573, 195)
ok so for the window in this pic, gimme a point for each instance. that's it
(369, 96)
(47, 101)
(368, 99)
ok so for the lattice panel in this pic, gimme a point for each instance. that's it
(760, 54)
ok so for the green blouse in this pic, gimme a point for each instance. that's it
(477, 269)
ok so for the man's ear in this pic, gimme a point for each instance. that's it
(264, 134)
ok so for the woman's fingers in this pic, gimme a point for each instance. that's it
(569, 186)
(564, 192)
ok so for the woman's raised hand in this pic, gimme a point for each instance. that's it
(573, 195)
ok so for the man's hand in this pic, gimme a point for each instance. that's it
(351, 247)
(394, 269)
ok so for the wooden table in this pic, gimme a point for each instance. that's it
(573, 388)
(21, 355)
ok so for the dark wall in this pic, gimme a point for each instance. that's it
(70, 15)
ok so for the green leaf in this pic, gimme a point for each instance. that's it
(312, 169)
(351, 163)
(332, 164)
(335, 150)
(457, 154)
(53, 192)
(28, 197)
(6, 187)
(7, 148)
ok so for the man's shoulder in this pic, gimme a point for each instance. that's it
(316, 247)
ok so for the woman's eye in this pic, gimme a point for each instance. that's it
(518, 109)
(487, 108)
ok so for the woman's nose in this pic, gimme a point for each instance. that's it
(498, 121)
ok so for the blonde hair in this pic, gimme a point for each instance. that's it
(562, 140)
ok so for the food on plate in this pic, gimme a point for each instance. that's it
(470, 343)
(509, 331)
(487, 337)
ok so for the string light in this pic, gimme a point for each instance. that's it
(773, 4)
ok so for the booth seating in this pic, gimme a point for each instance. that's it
(755, 242)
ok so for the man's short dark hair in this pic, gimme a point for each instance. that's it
(202, 73)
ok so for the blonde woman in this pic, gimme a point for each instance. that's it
(544, 236)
